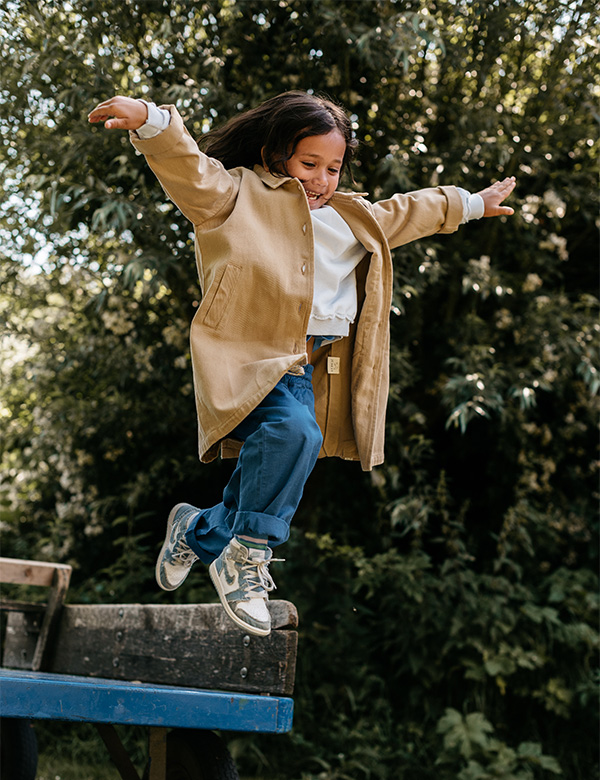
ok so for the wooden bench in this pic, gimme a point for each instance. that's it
(166, 667)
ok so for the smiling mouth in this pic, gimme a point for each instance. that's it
(312, 195)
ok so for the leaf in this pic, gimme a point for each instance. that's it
(541, 614)
(532, 752)
(464, 734)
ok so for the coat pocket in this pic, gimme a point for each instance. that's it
(219, 297)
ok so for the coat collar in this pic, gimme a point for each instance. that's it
(269, 179)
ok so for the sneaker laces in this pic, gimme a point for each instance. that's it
(258, 577)
(184, 554)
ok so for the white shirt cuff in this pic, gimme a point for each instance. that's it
(158, 120)
(473, 205)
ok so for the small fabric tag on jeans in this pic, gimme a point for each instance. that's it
(333, 365)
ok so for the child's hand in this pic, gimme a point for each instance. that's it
(130, 114)
(495, 194)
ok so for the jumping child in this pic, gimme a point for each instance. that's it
(290, 344)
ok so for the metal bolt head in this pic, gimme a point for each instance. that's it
(246, 641)
(243, 672)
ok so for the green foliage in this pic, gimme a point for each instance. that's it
(470, 736)
(448, 601)
(433, 669)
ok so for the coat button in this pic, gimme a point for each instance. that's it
(304, 229)
(304, 268)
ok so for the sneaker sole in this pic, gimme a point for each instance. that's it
(212, 570)
(172, 514)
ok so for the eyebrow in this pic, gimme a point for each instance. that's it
(318, 157)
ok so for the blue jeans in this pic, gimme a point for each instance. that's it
(281, 442)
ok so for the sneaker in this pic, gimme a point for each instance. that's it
(243, 582)
(176, 557)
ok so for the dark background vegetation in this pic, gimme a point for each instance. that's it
(448, 600)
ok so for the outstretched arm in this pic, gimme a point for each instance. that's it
(414, 215)
(198, 185)
(494, 195)
(129, 114)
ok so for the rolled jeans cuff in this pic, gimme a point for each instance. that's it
(261, 526)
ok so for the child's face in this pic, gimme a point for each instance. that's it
(317, 162)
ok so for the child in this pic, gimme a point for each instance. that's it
(290, 343)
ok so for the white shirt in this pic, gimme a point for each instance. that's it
(337, 253)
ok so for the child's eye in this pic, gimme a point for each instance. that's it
(334, 170)
(309, 164)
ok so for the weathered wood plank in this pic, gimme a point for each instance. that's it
(20, 572)
(193, 645)
(60, 585)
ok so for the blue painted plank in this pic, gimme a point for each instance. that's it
(42, 696)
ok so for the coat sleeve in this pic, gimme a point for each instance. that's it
(199, 186)
(408, 217)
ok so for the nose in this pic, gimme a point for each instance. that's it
(320, 176)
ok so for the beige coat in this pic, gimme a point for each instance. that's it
(254, 252)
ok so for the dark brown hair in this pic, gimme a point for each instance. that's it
(268, 134)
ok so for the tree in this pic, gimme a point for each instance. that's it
(458, 638)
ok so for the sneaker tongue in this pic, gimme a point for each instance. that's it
(259, 555)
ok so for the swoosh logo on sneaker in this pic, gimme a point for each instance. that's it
(230, 574)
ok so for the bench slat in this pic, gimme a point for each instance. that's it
(43, 696)
(20, 572)
(187, 644)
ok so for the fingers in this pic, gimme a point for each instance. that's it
(500, 190)
(117, 124)
(120, 113)
(104, 110)
(495, 194)
(506, 186)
